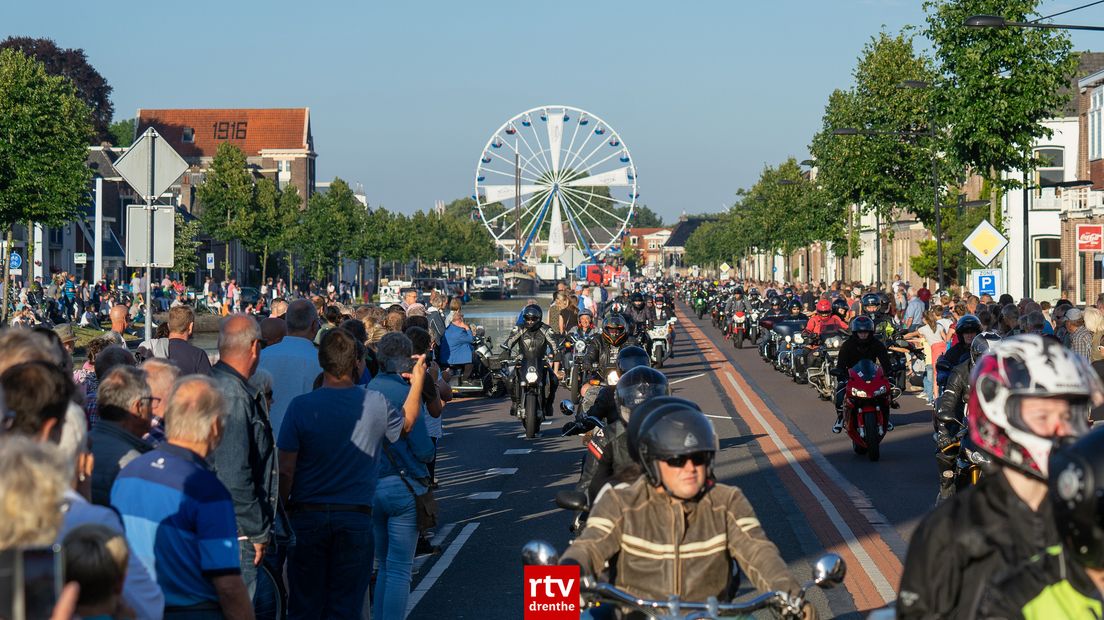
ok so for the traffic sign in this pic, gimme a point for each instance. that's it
(572, 257)
(80, 258)
(985, 242)
(210, 260)
(725, 267)
(151, 152)
(137, 238)
(986, 282)
(16, 261)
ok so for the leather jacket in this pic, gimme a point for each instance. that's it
(951, 411)
(532, 339)
(607, 456)
(639, 319)
(737, 305)
(648, 535)
(602, 355)
(853, 350)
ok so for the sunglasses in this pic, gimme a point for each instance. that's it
(697, 458)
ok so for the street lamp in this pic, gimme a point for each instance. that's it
(996, 21)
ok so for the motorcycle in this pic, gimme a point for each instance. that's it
(789, 338)
(575, 347)
(717, 313)
(700, 306)
(828, 572)
(968, 464)
(483, 379)
(531, 383)
(753, 324)
(822, 363)
(866, 405)
(660, 338)
(738, 328)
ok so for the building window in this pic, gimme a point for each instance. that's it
(1048, 265)
(652, 245)
(1051, 169)
(632, 240)
(1096, 132)
(189, 134)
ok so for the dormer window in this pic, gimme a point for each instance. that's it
(189, 135)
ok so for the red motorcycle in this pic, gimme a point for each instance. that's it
(738, 328)
(866, 408)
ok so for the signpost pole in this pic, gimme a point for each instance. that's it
(97, 235)
(149, 238)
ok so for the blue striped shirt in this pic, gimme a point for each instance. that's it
(179, 521)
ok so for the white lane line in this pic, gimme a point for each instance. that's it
(484, 495)
(440, 537)
(518, 451)
(700, 374)
(547, 423)
(719, 417)
(439, 568)
(885, 589)
(502, 471)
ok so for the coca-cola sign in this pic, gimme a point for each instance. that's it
(1090, 238)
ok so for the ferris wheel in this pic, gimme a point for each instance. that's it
(555, 177)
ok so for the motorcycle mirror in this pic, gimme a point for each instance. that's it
(503, 346)
(829, 571)
(479, 331)
(539, 553)
(672, 321)
(572, 500)
(902, 343)
(567, 407)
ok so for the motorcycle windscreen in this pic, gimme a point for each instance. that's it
(866, 370)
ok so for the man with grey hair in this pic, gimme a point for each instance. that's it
(436, 317)
(160, 375)
(123, 402)
(179, 518)
(293, 362)
(278, 308)
(245, 459)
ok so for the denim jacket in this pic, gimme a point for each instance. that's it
(245, 458)
(414, 449)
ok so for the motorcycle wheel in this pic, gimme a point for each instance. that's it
(873, 439)
(739, 338)
(532, 415)
(660, 354)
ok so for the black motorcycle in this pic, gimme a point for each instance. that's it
(531, 384)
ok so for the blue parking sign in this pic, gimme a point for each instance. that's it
(986, 282)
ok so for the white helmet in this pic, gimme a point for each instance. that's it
(1027, 365)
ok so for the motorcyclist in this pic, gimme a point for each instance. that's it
(677, 503)
(641, 318)
(774, 313)
(604, 351)
(1027, 393)
(861, 345)
(794, 311)
(824, 319)
(536, 337)
(950, 413)
(737, 303)
(841, 309)
(607, 449)
(603, 406)
(1063, 582)
(965, 330)
(787, 295)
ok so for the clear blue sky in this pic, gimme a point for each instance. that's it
(404, 94)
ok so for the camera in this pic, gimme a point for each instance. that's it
(31, 579)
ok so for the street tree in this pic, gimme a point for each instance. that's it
(122, 132)
(270, 214)
(226, 197)
(44, 130)
(186, 246)
(72, 64)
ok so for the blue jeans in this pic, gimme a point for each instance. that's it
(330, 565)
(395, 522)
(248, 570)
(929, 382)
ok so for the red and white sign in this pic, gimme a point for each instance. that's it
(1090, 237)
(552, 593)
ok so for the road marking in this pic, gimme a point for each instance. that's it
(700, 374)
(549, 423)
(518, 450)
(885, 589)
(502, 471)
(485, 495)
(719, 417)
(439, 568)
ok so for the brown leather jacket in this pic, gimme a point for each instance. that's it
(667, 547)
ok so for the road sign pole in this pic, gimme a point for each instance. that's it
(149, 239)
(97, 236)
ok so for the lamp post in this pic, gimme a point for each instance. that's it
(996, 21)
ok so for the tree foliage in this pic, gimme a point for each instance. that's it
(122, 132)
(44, 130)
(226, 196)
(186, 247)
(72, 64)
(326, 226)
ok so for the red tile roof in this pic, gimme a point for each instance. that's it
(644, 232)
(251, 130)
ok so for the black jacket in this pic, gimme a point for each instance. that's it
(854, 350)
(965, 543)
(604, 407)
(534, 340)
(952, 402)
(956, 354)
(639, 320)
(603, 355)
(607, 458)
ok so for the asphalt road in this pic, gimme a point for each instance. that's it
(811, 492)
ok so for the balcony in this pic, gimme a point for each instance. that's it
(1067, 199)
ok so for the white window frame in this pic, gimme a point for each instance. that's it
(1096, 132)
(1036, 261)
(1038, 171)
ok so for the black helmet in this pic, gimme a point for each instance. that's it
(615, 328)
(754, 292)
(776, 302)
(739, 291)
(631, 357)
(862, 323)
(638, 385)
(968, 324)
(641, 417)
(532, 315)
(885, 302)
(787, 292)
(839, 306)
(794, 305)
(980, 345)
(678, 431)
(1076, 484)
(871, 299)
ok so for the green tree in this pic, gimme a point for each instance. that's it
(268, 217)
(226, 197)
(644, 217)
(996, 86)
(186, 247)
(327, 224)
(44, 129)
(122, 132)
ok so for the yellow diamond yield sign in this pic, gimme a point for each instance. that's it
(725, 267)
(985, 242)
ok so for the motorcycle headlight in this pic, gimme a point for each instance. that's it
(789, 339)
(580, 347)
(612, 377)
(859, 393)
(531, 375)
(798, 338)
(880, 391)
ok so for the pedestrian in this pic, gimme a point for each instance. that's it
(273, 331)
(245, 458)
(293, 362)
(1094, 322)
(456, 348)
(110, 357)
(436, 317)
(179, 518)
(191, 359)
(329, 449)
(160, 375)
(402, 478)
(1080, 338)
(124, 410)
(33, 487)
(119, 322)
